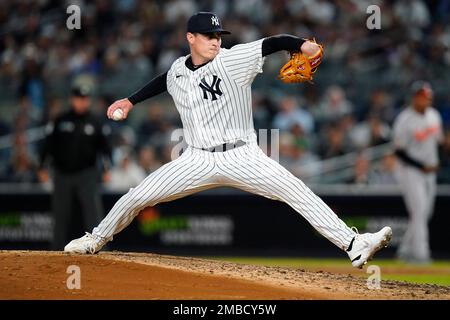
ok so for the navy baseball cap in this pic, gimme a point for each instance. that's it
(205, 22)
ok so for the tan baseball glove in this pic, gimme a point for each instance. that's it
(300, 67)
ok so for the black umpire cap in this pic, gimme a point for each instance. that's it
(81, 91)
(205, 22)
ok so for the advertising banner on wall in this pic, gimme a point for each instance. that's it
(221, 224)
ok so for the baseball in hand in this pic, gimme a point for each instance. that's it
(117, 115)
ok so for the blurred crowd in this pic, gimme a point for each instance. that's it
(360, 87)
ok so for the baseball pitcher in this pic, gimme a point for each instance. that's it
(417, 132)
(211, 88)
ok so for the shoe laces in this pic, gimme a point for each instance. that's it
(355, 230)
(92, 245)
(361, 237)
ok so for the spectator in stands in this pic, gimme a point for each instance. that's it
(305, 163)
(412, 13)
(334, 105)
(384, 173)
(153, 129)
(261, 114)
(369, 133)
(32, 85)
(381, 106)
(346, 124)
(333, 144)
(361, 170)
(147, 159)
(54, 108)
(21, 168)
(291, 114)
(126, 173)
(295, 154)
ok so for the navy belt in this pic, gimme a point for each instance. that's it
(225, 147)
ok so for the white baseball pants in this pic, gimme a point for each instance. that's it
(419, 192)
(246, 168)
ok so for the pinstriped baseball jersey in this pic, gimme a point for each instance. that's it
(419, 134)
(215, 101)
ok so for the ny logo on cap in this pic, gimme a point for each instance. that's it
(215, 20)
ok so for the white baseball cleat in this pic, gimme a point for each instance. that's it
(88, 243)
(364, 246)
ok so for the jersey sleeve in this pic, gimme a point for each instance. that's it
(244, 61)
(171, 75)
(400, 133)
(169, 81)
(156, 86)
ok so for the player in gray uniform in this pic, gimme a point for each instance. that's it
(417, 132)
(211, 88)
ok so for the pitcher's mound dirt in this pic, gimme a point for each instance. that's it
(117, 275)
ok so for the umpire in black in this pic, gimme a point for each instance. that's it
(77, 144)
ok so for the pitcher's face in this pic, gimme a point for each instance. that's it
(205, 45)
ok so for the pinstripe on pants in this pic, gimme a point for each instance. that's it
(246, 168)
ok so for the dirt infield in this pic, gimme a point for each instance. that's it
(118, 275)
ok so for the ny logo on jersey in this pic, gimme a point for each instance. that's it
(215, 20)
(213, 88)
